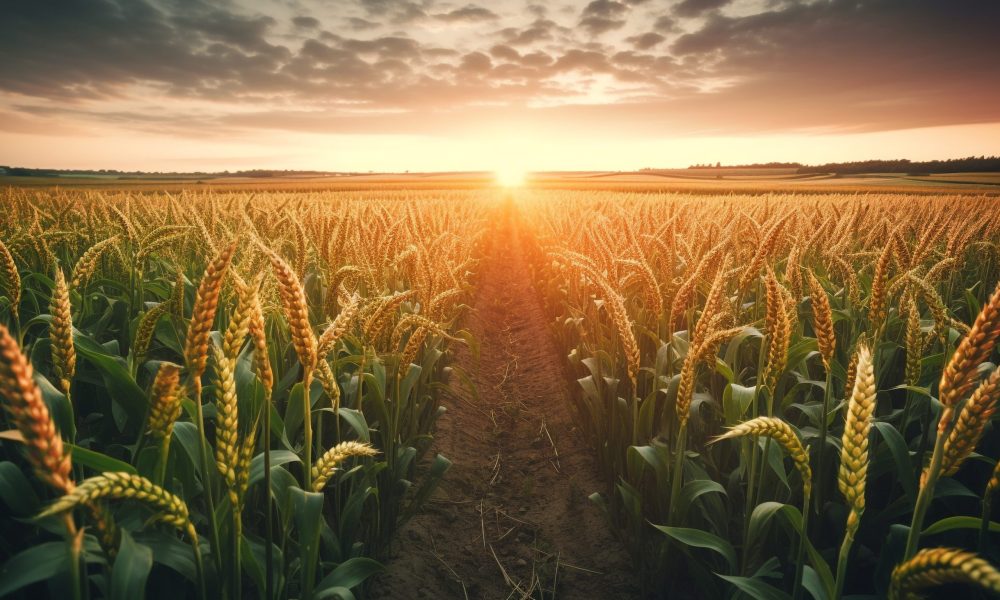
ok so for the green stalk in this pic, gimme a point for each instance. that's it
(237, 581)
(206, 474)
(198, 564)
(75, 540)
(307, 428)
(754, 466)
(678, 475)
(268, 526)
(984, 526)
(803, 540)
(924, 498)
(161, 460)
(845, 551)
(820, 480)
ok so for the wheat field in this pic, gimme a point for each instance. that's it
(786, 394)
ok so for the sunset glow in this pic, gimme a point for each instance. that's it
(430, 85)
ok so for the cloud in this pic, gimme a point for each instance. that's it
(540, 30)
(606, 9)
(395, 11)
(468, 14)
(166, 65)
(602, 16)
(646, 40)
(305, 22)
(359, 24)
(693, 8)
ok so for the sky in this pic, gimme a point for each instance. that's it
(436, 85)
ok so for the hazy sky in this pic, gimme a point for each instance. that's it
(440, 85)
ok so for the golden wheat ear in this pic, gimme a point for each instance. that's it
(327, 464)
(61, 333)
(206, 303)
(853, 473)
(124, 486)
(781, 432)
(937, 566)
(296, 307)
(30, 414)
(165, 401)
(822, 320)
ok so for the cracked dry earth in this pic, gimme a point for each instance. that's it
(511, 518)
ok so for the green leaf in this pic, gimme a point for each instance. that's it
(755, 588)
(901, 456)
(811, 581)
(762, 515)
(334, 593)
(736, 399)
(950, 523)
(431, 480)
(101, 463)
(349, 574)
(278, 458)
(131, 569)
(38, 563)
(122, 388)
(16, 491)
(697, 538)
(170, 551)
(308, 509)
(692, 490)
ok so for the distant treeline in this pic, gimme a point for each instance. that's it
(770, 165)
(27, 172)
(970, 164)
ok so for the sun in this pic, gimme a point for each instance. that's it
(510, 176)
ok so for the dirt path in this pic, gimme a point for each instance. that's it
(512, 518)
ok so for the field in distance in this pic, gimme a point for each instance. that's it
(700, 180)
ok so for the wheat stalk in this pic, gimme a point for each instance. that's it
(11, 280)
(327, 464)
(61, 334)
(206, 303)
(853, 473)
(258, 335)
(914, 344)
(937, 566)
(293, 301)
(959, 375)
(822, 320)
(970, 425)
(857, 426)
(164, 400)
(381, 315)
(336, 330)
(86, 265)
(30, 414)
(781, 432)
(778, 329)
(145, 330)
(227, 417)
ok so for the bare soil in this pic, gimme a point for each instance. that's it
(512, 518)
